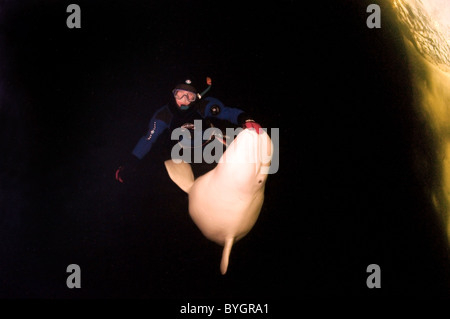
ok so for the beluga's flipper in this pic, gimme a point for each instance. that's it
(181, 174)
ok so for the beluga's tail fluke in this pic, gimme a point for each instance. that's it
(226, 255)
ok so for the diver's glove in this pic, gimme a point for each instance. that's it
(127, 171)
(245, 121)
(251, 124)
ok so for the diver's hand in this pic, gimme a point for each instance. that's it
(251, 124)
(125, 174)
(119, 174)
(127, 171)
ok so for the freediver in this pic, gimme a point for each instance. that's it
(186, 106)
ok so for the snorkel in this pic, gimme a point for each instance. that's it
(209, 82)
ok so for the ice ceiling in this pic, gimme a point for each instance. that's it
(425, 26)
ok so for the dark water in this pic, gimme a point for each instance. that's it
(346, 195)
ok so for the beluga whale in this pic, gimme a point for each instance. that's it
(226, 202)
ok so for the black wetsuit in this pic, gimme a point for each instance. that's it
(171, 117)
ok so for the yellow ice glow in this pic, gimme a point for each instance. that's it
(439, 10)
(432, 91)
(428, 49)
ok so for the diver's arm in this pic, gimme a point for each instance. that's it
(129, 165)
(145, 143)
(216, 109)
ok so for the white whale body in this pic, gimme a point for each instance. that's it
(225, 203)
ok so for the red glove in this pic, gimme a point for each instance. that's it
(250, 124)
(118, 172)
(127, 170)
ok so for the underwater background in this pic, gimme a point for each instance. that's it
(348, 192)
